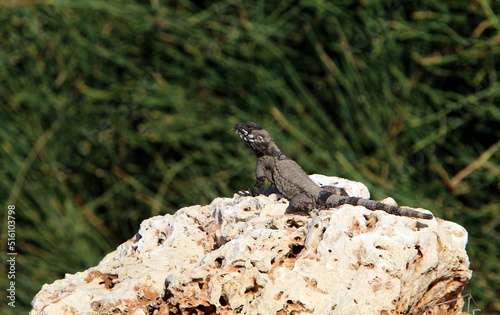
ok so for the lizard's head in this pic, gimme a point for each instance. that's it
(256, 137)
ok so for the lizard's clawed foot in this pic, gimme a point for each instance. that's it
(245, 193)
(314, 213)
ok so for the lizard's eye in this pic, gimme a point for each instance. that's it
(260, 138)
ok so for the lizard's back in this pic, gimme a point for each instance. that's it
(290, 180)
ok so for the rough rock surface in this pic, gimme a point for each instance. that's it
(242, 255)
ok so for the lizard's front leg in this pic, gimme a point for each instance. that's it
(259, 186)
(256, 190)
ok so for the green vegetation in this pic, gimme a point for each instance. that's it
(115, 111)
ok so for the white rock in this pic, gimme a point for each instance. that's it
(243, 255)
(353, 188)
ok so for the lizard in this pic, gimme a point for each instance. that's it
(295, 185)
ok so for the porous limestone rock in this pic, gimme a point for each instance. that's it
(242, 255)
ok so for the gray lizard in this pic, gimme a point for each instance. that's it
(295, 185)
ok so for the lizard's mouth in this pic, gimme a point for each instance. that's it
(244, 134)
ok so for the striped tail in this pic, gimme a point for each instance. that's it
(335, 200)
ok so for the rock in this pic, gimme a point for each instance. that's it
(242, 255)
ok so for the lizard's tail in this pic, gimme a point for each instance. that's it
(376, 205)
